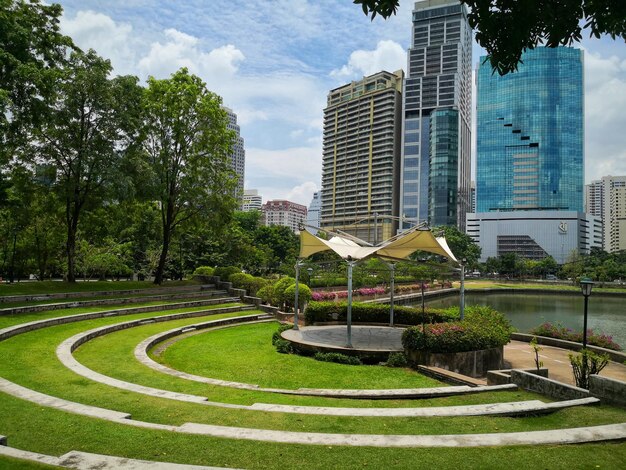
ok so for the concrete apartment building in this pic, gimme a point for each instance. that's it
(361, 157)
(286, 213)
(251, 200)
(606, 199)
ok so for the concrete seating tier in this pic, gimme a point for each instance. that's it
(114, 301)
(559, 436)
(78, 295)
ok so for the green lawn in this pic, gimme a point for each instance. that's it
(244, 353)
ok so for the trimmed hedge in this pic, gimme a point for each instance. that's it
(203, 271)
(374, 313)
(560, 332)
(224, 272)
(482, 328)
(248, 282)
(338, 358)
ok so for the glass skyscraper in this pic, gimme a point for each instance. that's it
(435, 184)
(530, 134)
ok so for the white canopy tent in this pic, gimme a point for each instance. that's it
(354, 250)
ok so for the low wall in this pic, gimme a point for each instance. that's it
(609, 390)
(471, 363)
(503, 376)
(545, 386)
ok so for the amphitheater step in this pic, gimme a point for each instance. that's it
(86, 461)
(450, 377)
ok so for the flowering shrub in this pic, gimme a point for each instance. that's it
(373, 313)
(319, 296)
(482, 328)
(551, 330)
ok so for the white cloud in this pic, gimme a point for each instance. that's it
(303, 193)
(388, 55)
(113, 41)
(182, 50)
(605, 120)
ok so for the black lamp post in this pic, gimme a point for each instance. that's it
(586, 285)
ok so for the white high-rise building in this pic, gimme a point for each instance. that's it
(606, 198)
(238, 156)
(314, 211)
(251, 200)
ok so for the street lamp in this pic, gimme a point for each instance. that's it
(299, 264)
(586, 285)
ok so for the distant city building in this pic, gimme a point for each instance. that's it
(530, 133)
(361, 157)
(238, 157)
(535, 234)
(473, 197)
(436, 141)
(251, 200)
(606, 198)
(286, 213)
(313, 212)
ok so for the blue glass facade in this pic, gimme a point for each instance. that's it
(530, 133)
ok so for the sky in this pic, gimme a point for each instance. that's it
(273, 62)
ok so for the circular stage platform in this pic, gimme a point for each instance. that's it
(375, 342)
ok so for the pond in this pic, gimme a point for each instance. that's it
(606, 314)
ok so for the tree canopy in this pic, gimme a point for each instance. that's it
(506, 28)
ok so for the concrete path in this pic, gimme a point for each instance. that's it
(519, 355)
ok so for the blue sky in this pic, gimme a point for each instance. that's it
(274, 61)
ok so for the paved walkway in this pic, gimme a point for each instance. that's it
(519, 355)
(364, 338)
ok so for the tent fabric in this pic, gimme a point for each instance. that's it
(398, 248)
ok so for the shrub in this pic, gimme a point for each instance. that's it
(551, 330)
(203, 271)
(587, 363)
(266, 294)
(374, 313)
(338, 358)
(276, 336)
(283, 346)
(397, 359)
(482, 328)
(224, 272)
(248, 282)
(304, 294)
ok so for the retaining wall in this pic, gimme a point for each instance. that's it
(471, 363)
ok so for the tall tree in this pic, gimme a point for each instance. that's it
(31, 50)
(506, 28)
(187, 147)
(88, 127)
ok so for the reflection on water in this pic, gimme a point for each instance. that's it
(526, 311)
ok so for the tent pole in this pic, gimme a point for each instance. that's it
(349, 313)
(392, 288)
(295, 308)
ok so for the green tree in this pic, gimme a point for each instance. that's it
(87, 127)
(186, 146)
(462, 245)
(506, 28)
(31, 49)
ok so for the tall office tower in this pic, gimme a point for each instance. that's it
(252, 201)
(530, 133)
(606, 198)
(286, 213)
(239, 153)
(361, 157)
(529, 165)
(437, 116)
(313, 212)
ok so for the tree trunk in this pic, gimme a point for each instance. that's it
(167, 237)
(72, 228)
